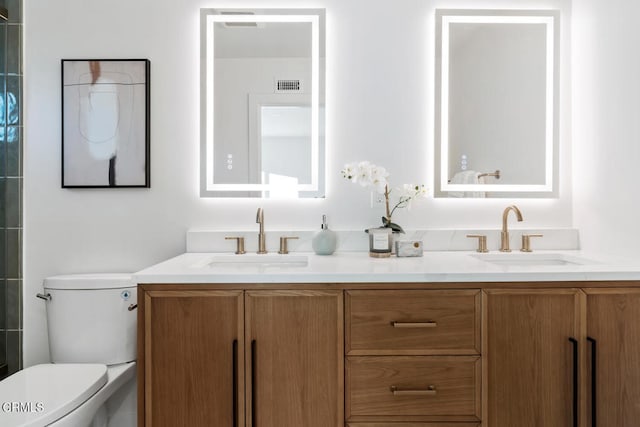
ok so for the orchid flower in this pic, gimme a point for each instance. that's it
(369, 175)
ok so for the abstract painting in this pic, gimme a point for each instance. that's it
(105, 123)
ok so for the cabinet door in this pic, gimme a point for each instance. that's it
(613, 321)
(190, 339)
(528, 359)
(295, 365)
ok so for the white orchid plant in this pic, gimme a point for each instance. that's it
(375, 177)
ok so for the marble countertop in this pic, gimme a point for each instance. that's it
(358, 267)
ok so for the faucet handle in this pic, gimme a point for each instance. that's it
(526, 242)
(283, 244)
(239, 245)
(482, 242)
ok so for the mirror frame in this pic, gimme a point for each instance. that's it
(551, 18)
(208, 19)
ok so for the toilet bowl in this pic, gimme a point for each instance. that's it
(91, 323)
(61, 395)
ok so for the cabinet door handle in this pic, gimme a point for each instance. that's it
(429, 391)
(235, 383)
(253, 382)
(428, 324)
(594, 369)
(574, 344)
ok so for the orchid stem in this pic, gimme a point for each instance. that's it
(386, 202)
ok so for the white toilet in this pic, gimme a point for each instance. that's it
(91, 322)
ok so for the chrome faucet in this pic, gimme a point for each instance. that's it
(261, 237)
(504, 235)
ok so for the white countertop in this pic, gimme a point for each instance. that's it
(358, 267)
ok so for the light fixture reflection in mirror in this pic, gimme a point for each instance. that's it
(497, 103)
(241, 155)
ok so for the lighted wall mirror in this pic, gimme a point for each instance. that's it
(496, 114)
(262, 103)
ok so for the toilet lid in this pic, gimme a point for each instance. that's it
(42, 394)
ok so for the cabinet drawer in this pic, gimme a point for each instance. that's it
(412, 387)
(391, 424)
(413, 322)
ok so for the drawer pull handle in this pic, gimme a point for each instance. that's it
(414, 324)
(430, 391)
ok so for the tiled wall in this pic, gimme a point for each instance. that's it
(11, 187)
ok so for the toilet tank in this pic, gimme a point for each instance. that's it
(89, 320)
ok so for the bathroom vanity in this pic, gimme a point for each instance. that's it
(450, 339)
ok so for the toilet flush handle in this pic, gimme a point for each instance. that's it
(46, 297)
(132, 307)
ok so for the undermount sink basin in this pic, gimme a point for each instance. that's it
(254, 260)
(531, 260)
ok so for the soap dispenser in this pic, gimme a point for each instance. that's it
(325, 240)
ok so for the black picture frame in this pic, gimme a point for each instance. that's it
(105, 123)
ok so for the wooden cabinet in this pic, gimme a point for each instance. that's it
(529, 358)
(412, 356)
(205, 353)
(613, 330)
(501, 355)
(535, 375)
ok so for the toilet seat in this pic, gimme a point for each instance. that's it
(42, 394)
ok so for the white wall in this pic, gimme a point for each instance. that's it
(606, 124)
(379, 107)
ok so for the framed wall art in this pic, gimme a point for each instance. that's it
(105, 123)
